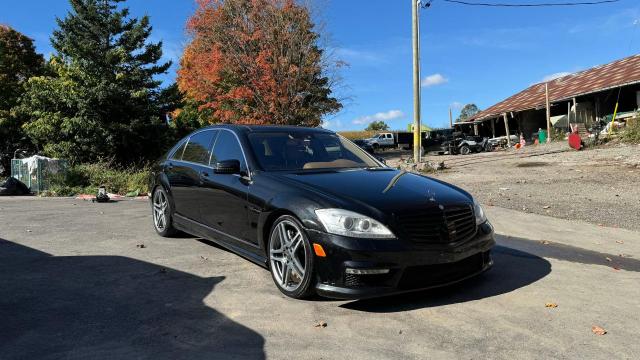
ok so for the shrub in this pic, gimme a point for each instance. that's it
(631, 133)
(86, 178)
(558, 135)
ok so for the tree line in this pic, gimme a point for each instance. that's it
(98, 95)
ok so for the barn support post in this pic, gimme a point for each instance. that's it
(493, 127)
(506, 127)
(569, 115)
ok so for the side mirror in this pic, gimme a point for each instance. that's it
(381, 159)
(227, 167)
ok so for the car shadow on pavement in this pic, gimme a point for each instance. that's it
(111, 307)
(518, 262)
(512, 269)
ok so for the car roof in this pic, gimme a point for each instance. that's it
(268, 128)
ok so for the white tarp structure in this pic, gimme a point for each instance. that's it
(36, 171)
(52, 165)
(560, 121)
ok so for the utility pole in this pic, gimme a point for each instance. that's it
(417, 127)
(450, 118)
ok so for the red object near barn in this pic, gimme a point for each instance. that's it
(575, 141)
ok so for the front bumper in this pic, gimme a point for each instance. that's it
(411, 266)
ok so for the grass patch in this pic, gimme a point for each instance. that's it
(532, 164)
(354, 135)
(558, 135)
(86, 178)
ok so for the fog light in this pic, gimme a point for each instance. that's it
(366, 271)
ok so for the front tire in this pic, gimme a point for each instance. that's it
(161, 212)
(465, 150)
(291, 258)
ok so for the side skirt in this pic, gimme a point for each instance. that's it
(227, 241)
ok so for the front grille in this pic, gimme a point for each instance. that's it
(417, 277)
(438, 226)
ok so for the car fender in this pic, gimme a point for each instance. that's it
(301, 207)
(161, 179)
(283, 204)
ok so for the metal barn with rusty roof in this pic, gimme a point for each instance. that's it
(581, 97)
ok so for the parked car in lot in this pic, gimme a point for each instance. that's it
(382, 141)
(320, 213)
(463, 144)
(433, 140)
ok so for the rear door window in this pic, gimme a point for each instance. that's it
(177, 154)
(198, 148)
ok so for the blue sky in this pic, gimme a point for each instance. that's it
(469, 54)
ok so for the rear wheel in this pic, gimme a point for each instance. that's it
(291, 258)
(161, 210)
(465, 150)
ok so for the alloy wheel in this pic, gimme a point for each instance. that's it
(160, 206)
(287, 255)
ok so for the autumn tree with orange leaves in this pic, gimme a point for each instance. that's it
(256, 62)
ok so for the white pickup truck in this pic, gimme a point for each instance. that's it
(382, 140)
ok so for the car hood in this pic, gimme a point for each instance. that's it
(386, 190)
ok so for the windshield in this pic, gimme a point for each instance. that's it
(297, 150)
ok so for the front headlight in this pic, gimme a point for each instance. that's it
(349, 223)
(481, 217)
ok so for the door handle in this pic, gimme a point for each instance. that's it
(204, 174)
(170, 166)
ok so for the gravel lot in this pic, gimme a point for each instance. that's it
(599, 186)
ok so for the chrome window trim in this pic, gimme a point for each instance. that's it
(213, 146)
(244, 156)
(172, 155)
(362, 151)
(187, 144)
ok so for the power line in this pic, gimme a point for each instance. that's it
(598, 2)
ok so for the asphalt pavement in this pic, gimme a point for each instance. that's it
(81, 280)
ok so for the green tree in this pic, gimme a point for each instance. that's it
(190, 116)
(104, 100)
(18, 62)
(467, 111)
(377, 126)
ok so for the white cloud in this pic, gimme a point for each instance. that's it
(456, 105)
(555, 76)
(358, 56)
(332, 124)
(612, 22)
(433, 80)
(381, 116)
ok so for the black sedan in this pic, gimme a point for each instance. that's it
(320, 213)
